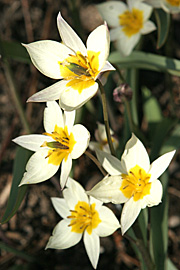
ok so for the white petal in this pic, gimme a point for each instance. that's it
(97, 202)
(148, 27)
(99, 41)
(107, 67)
(170, 8)
(69, 118)
(155, 196)
(115, 33)
(38, 169)
(60, 206)
(135, 154)
(66, 166)
(111, 164)
(71, 99)
(110, 12)
(154, 3)
(62, 237)
(82, 137)
(108, 190)
(92, 246)
(160, 165)
(129, 214)
(32, 142)
(147, 10)
(52, 116)
(94, 146)
(126, 44)
(69, 37)
(109, 223)
(46, 55)
(50, 93)
(74, 193)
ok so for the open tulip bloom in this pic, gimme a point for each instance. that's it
(133, 181)
(128, 22)
(83, 216)
(61, 143)
(78, 67)
(170, 6)
(101, 139)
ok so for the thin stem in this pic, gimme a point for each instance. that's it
(15, 96)
(96, 162)
(143, 250)
(105, 114)
(129, 114)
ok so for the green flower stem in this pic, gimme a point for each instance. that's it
(13, 90)
(96, 162)
(105, 114)
(15, 96)
(143, 251)
(129, 114)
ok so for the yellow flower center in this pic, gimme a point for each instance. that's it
(136, 183)
(131, 21)
(61, 147)
(174, 3)
(80, 70)
(84, 217)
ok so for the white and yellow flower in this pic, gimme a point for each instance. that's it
(78, 67)
(128, 22)
(170, 6)
(82, 217)
(61, 143)
(101, 139)
(133, 181)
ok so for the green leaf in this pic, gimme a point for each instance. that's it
(160, 132)
(170, 265)
(16, 252)
(14, 50)
(163, 23)
(159, 228)
(149, 61)
(17, 193)
(173, 142)
(151, 107)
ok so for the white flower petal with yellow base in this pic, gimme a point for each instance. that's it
(53, 116)
(92, 246)
(78, 66)
(60, 206)
(62, 142)
(69, 37)
(108, 190)
(128, 22)
(77, 94)
(82, 217)
(169, 6)
(134, 181)
(111, 10)
(46, 55)
(129, 214)
(62, 237)
(38, 169)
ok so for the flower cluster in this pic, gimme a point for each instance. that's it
(131, 181)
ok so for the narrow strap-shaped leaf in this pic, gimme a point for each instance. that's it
(17, 193)
(159, 228)
(150, 61)
(14, 50)
(163, 23)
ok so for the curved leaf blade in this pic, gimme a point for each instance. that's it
(17, 193)
(163, 23)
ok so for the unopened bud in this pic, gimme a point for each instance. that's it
(123, 91)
